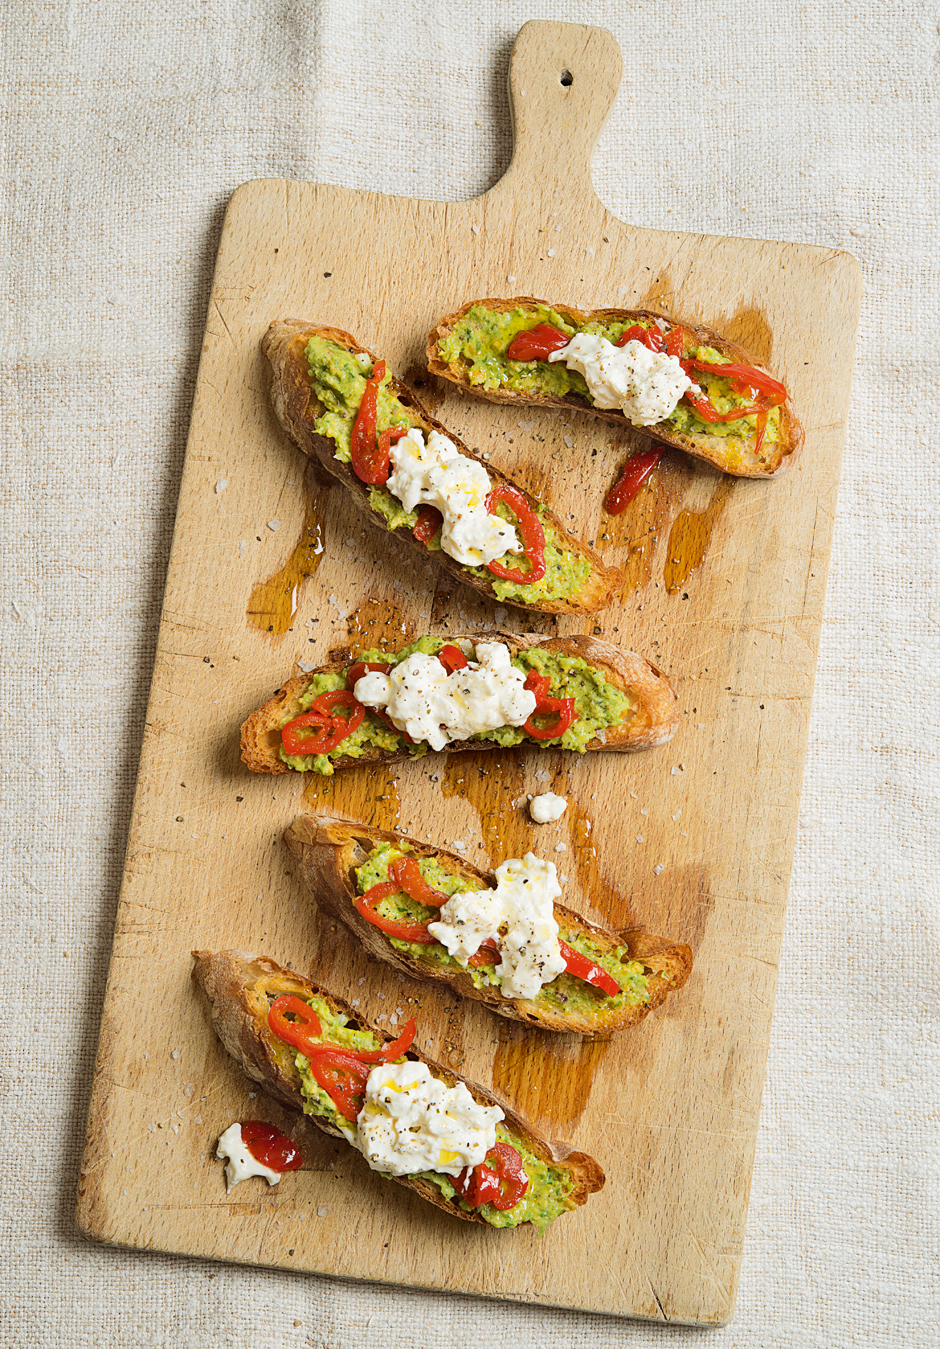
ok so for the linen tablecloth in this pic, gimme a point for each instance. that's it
(125, 127)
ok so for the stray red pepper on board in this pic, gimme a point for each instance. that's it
(632, 477)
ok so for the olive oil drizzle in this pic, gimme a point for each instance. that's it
(274, 602)
(690, 536)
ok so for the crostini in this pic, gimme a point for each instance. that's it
(501, 939)
(340, 404)
(685, 385)
(414, 1121)
(484, 691)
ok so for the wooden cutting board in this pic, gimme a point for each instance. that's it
(724, 581)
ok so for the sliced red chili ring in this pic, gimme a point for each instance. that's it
(404, 875)
(395, 1049)
(632, 477)
(537, 344)
(566, 714)
(530, 531)
(582, 967)
(299, 1032)
(428, 524)
(332, 730)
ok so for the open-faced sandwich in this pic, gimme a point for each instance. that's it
(484, 691)
(341, 404)
(412, 1119)
(500, 939)
(684, 385)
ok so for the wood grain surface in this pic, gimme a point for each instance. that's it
(724, 582)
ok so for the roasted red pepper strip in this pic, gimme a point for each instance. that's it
(427, 524)
(537, 684)
(632, 477)
(537, 344)
(270, 1147)
(675, 340)
(500, 1180)
(386, 440)
(709, 413)
(582, 967)
(564, 707)
(297, 1033)
(746, 375)
(487, 954)
(406, 871)
(368, 462)
(452, 658)
(530, 531)
(651, 337)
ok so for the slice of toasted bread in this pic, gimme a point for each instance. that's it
(329, 850)
(652, 720)
(735, 454)
(240, 989)
(298, 407)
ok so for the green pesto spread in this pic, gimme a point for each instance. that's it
(598, 703)
(478, 341)
(565, 993)
(549, 1186)
(338, 379)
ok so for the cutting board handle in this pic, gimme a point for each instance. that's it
(563, 79)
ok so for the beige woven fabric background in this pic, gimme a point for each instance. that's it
(125, 127)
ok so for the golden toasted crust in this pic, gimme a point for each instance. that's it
(329, 850)
(653, 721)
(297, 409)
(738, 459)
(240, 988)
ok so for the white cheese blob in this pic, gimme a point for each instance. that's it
(518, 915)
(645, 385)
(240, 1164)
(547, 807)
(435, 473)
(413, 1122)
(422, 699)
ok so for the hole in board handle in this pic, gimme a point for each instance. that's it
(566, 78)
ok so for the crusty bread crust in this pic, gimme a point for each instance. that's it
(240, 988)
(738, 460)
(297, 408)
(654, 720)
(329, 849)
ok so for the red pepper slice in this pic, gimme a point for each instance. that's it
(537, 344)
(564, 707)
(342, 1076)
(632, 477)
(530, 531)
(270, 1147)
(500, 1180)
(709, 413)
(362, 667)
(404, 874)
(675, 339)
(582, 967)
(368, 462)
(300, 1033)
(748, 376)
(487, 954)
(395, 1049)
(537, 684)
(452, 658)
(386, 440)
(428, 523)
(333, 729)
(651, 337)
